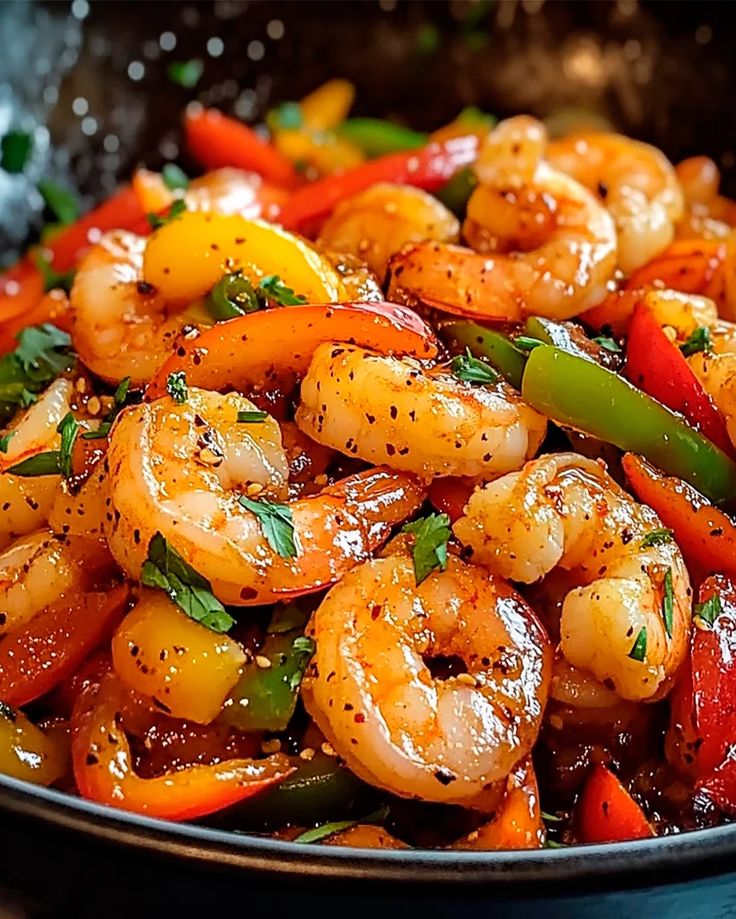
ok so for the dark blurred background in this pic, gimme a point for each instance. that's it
(89, 79)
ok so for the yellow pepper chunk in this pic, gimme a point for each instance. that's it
(26, 752)
(328, 105)
(186, 257)
(185, 667)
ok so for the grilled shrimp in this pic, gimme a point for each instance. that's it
(549, 245)
(371, 690)
(180, 469)
(707, 215)
(38, 569)
(380, 220)
(121, 326)
(26, 502)
(628, 620)
(390, 410)
(637, 184)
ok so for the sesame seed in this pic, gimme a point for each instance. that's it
(94, 405)
(328, 749)
(263, 662)
(255, 488)
(81, 384)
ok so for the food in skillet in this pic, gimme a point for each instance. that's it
(373, 489)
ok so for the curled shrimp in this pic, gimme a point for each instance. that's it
(26, 502)
(380, 220)
(628, 619)
(371, 691)
(707, 215)
(393, 411)
(179, 469)
(637, 184)
(551, 245)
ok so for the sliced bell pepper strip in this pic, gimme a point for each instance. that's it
(240, 353)
(41, 654)
(52, 307)
(377, 137)
(657, 366)
(216, 140)
(429, 168)
(450, 495)
(720, 785)
(264, 698)
(26, 752)
(578, 392)
(103, 766)
(606, 812)
(705, 534)
(498, 349)
(325, 107)
(186, 257)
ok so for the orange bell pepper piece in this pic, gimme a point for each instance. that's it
(606, 812)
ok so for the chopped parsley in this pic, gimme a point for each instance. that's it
(709, 610)
(166, 570)
(668, 603)
(431, 535)
(233, 295)
(175, 179)
(123, 396)
(329, 829)
(176, 387)
(276, 523)
(697, 341)
(5, 441)
(469, 369)
(159, 220)
(274, 289)
(41, 464)
(42, 353)
(252, 417)
(69, 429)
(658, 537)
(608, 344)
(639, 648)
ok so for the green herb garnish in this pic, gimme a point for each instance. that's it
(608, 344)
(668, 603)
(431, 535)
(329, 829)
(233, 295)
(274, 289)
(176, 387)
(60, 201)
(159, 220)
(285, 117)
(659, 537)
(5, 441)
(166, 570)
(277, 524)
(697, 341)
(41, 464)
(709, 610)
(68, 427)
(185, 73)
(41, 355)
(53, 279)
(252, 417)
(526, 343)
(175, 179)
(639, 648)
(469, 369)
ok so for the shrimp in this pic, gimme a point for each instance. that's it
(380, 220)
(552, 245)
(637, 184)
(371, 690)
(26, 502)
(179, 469)
(708, 215)
(628, 620)
(121, 325)
(40, 568)
(393, 411)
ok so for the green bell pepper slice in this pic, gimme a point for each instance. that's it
(455, 193)
(575, 391)
(377, 137)
(495, 347)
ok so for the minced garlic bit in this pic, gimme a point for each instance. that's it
(262, 661)
(307, 754)
(328, 749)
(93, 406)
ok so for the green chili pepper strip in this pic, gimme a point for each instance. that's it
(454, 195)
(574, 391)
(495, 347)
(264, 698)
(376, 137)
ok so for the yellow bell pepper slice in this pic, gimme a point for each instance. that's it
(186, 257)
(328, 105)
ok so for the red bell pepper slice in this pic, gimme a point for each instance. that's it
(705, 534)
(216, 140)
(656, 365)
(450, 495)
(259, 348)
(103, 765)
(38, 656)
(429, 168)
(606, 812)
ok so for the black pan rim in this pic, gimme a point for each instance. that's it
(638, 863)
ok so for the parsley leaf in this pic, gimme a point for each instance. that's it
(668, 603)
(431, 535)
(166, 570)
(709, 610)
(60, 201)
(176, 387)
(303, 648)
(123, 396)
(329, 829)
(41, 355)
(68, 427)
(469, 369)
(252, 417)
(277, 524)
(185, 73)
(639, 648)
(53, 279)
(608, 344)
(233, 295)
(15, 150)
(525, 343)
(274, 289)
(174, 177)
(159, 220)
(697, 341)
(40, 464)
(658, 537)
(5, 441)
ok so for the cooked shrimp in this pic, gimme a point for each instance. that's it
(38, 569)
(707, 215)
(566, 510)
(121, 326)
(393, 411)
(552, 245)
(180, 469)
(383, 218)
(358, 281)
(370, 689)
(637, 184)
(26, 502)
